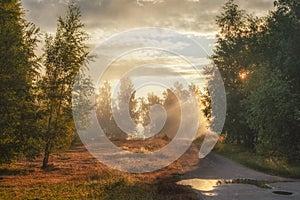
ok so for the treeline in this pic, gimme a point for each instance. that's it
(258, 58)
(36, 92)
(151, 124)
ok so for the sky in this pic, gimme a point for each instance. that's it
(104, 17)
(108, 20)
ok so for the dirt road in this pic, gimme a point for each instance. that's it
(219, 178)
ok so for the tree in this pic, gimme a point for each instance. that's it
(127, 104)
(149, 122)
(64, 55)
(105, 106)
(126, 97)
(273, 104)
(203, 100)
(18, 74)
(269, 113)
(173, 111)
(258, 60)
(235, 60)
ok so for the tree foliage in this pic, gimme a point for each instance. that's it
(18, 75)
(258, 60)
(105, 105)
(65, 54)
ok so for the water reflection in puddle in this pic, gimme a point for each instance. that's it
(207, 186)
(210, 194)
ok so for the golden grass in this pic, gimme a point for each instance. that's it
(77, 175)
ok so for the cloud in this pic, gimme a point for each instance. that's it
(103, 18)
(118, 15)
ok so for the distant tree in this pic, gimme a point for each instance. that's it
(143, 110)
(19, 133)
(180, 91)
(64, 55)
(144, 105)
(133, 110)
(105, 106)
(203, 100)
(126, 97)
(127, 103)
(173, 111)
(206, 102)
(153, 99)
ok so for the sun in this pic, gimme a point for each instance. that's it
(243, 74)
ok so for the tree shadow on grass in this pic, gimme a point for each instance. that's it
(9, 172)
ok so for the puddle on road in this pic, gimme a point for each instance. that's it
(257, 183)
(282, 193)
(207, 186)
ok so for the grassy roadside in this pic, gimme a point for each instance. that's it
(270, 165)
(116, 186)
(99, 186)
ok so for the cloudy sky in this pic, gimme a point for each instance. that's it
(195, 19)
(112, 16)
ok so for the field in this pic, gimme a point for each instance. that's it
(78, 175)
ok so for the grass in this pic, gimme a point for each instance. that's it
(117, 188)
(110, 189)
(270, 165)
(96, 184)
(77, 175)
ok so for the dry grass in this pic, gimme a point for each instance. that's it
(76, 174)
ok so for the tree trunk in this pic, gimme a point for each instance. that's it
(238, 140)
(46, 157)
